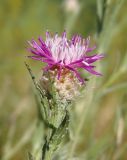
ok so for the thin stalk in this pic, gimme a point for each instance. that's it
(82, 121)
(101, 8)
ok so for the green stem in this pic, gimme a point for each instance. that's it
(82, 121)
(48, 155)
(46, 150)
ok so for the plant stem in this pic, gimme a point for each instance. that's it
(81, 121)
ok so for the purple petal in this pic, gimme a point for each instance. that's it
(47, 34)
(64, 34)
(59, 72)
(77, 74)
(34, 52)
(89, 69)
(90, 49)
(94, 58)
(44, 47)
(78, 61)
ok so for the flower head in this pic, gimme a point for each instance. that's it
(61, 54)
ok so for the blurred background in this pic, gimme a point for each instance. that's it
(99, 121)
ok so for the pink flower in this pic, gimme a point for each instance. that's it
(60, 53)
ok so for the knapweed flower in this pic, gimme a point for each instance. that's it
(64, 57)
